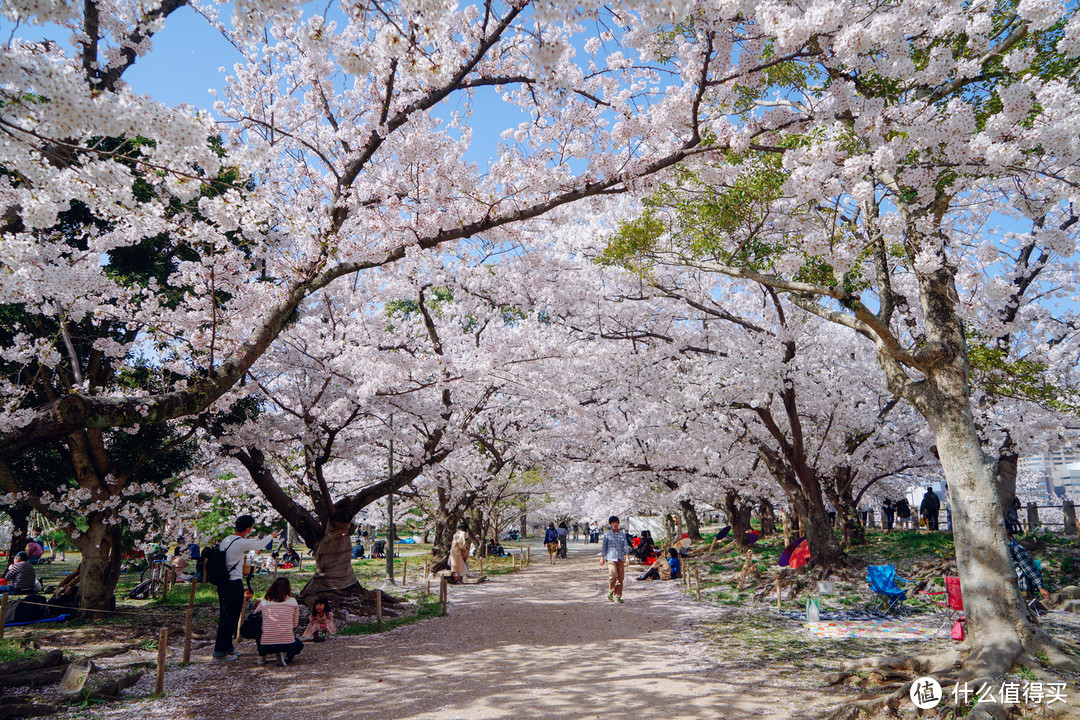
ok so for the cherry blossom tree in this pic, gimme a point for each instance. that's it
(913, 130)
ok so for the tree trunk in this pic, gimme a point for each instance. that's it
(998, 626)
(523, 528)
(693, 523)
(767, 516)
(852, 531)
(738, 514)
(20, 533)
(102, 554)
(333, 562)
(825, 551)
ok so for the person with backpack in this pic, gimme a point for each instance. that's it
(903, 514)
(226, 569)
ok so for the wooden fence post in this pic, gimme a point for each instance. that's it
(528, 556)
(1033, 516)
(404, 568)
(3, 612)
(697, 581)
(481, 566)
(1069, 509)
(785, 519)
(163, 645)
(188, 618)
(442, 594)
(778, 574)
(378, 611)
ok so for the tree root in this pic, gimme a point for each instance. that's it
(355, 597)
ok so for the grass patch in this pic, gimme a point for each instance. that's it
(12, 650)
(429, 607)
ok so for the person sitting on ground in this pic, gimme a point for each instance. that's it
(34, 551)
(321, 622)
(280, 616)
(358, 548)
(1028, 575)
(291, 557)
(665, 568)
(271, 564)
(21, 575)
(378, 549)
(643, 550)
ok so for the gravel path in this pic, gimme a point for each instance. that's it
(541, 643)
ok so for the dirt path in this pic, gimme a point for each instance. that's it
(542, 643)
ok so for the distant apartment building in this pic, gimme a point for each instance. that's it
(1055, 473)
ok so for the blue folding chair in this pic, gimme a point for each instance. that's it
(888, 597)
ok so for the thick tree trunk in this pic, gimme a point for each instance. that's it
(693, 523)
(852, 531)
(738, 514)
(523, 528)
(998, 625)
(767, 516)
(20, 533)
(333, 562)
(102, 554)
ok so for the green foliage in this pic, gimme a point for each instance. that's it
(992, 370)
(11, 650)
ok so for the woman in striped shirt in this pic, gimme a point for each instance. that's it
(280, 616)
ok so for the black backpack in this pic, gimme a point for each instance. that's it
(216, 571)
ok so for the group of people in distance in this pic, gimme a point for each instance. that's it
(278, 608)
(898, 512)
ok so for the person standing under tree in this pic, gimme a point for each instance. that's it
(231, 592)
(929, 509)
(459, 553)
(887, 514)
(613, 550)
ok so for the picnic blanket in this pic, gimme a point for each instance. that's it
(874, 629)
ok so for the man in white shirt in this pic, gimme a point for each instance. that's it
(231, 593)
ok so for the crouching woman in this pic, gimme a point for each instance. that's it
(280, 616)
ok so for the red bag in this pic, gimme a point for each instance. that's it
(958, 630)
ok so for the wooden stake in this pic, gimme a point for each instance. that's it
(429, 586)
(528, 556)
(404, 568)
(240, 622)
(442, 594)
(378, 611)
(481, 566)
(162, 647)
(427, 573)
(697, 581)
(187, 623)
(778, 591)
(3, 613)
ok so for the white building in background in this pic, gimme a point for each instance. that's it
(1053, 474)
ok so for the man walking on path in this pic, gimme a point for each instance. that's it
(231, 592)
(929, 509)
(613, 550)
